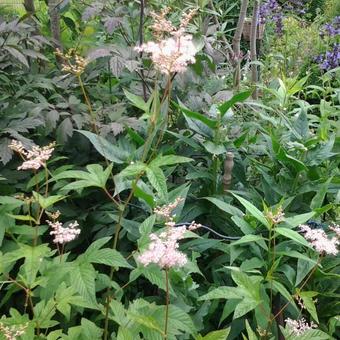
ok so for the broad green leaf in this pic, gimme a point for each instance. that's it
(23, 218)
(105, 148)
(133, 169)
(293, 235)
(157, 179)
(303, 268)
(46, 202)
(215, 149)
(319, 197)
(226, 207)
(251, 333)
(309, 304)
(140, 193)
(11, 202)
(96, 176)
(33, 260)
(253, 211)
(279, 287)
(216, 335)
(145, 320)
(82, 278)
(237, 98)
(109, 257)
(198, 116)
(137, 101)
(293, 253)
(89, 330)
(126, 334)
(245, 306)
(154, 274)
(294, 221)
(223, 293)
(249, 239)
(169, 160)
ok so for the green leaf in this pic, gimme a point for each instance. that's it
(250, 239)
(133, 170)
(237, 98)
(140, 193)
(126, 334)
(33, 260)
(198, 116)
(319, 197)
(222, 292)
(10, 202)
(46, 202)
(95, 177)
(253, 211)
(23, 218)
(109, 257)
(157, 180)
(137, 101)
(279, 287)
(169, 160)
(105, 148)
(293, 235)
(154, 274)
(213, 148)
(245, 306)
(299, 219)
(309, 304)
(82, 278)
(251, 333)
(226, 207)
(89, 330)
(216, 335)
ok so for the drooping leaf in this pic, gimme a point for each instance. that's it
(105, 148)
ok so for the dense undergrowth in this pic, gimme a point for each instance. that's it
(157, 184)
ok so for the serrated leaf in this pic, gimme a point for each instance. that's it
(105, 148)
(109, 257)
(82, 278)
(157, 180)
(46, 202)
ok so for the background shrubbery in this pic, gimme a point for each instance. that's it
(131, 140)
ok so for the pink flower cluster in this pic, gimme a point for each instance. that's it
(163, 249)
(298, 327)
(12, 332)
(320, 241)
(62, 234)
(172, 54)
(34, 158)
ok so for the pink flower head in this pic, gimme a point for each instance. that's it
(171, 55)
(62, 234)
(163, 249)
(320, 241)
(298, 327)
(34, 158)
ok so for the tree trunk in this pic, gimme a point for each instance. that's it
(237, 44)
(53, 12)
(253, 54)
